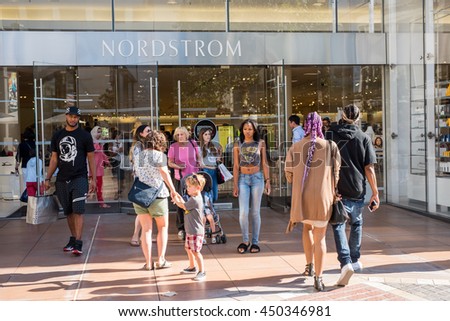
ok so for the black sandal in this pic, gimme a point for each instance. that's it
(242, 248)
(254, 249)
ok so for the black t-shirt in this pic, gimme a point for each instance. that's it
(356, 152)
(72, 148)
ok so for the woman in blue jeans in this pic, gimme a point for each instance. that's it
(251, 179)
(211, 155)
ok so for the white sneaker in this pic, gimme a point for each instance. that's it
(357, 266)
(346, 273)
(204, 241)
(201, 276)
(181, 235)
(213, 240)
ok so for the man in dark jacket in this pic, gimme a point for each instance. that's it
(358, 159)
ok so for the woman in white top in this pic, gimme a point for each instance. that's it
(150, 166)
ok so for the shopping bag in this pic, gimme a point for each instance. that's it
(41, 209)
(225, 172)
(220, 178)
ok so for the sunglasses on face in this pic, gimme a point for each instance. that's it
(196, 178)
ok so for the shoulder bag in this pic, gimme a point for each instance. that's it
(338, 215)
(142, 194)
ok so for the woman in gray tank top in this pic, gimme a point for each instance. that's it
(251, 179)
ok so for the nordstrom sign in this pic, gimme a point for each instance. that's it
(171, 48)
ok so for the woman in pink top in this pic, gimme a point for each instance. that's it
(183, 157)
(101, 160)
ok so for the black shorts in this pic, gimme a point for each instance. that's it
(72, 195)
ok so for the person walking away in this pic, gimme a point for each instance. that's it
(251, 179)
(70, 147)
(308, 168)
(358, 159)
(101, 160)
(33, 173)
(184, 157)
(150, 166)
(297, 130)
(139, 140)
(326, 123)
(195, 230)
(26, 144)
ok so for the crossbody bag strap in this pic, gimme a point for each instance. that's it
(333, 176)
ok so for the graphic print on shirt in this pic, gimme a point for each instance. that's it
(68, 149)
(249, 153)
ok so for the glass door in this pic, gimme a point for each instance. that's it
(276, 135)
(414, 168)
(113, 102)
(225, 96)
(54, 91)
(136, 101)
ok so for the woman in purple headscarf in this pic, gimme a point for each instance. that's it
(309, 165)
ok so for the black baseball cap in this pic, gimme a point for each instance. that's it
(73, 110)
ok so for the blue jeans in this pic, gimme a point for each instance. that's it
(349, 251)
(251, 187)
(215, 186)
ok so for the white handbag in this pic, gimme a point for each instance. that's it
(225, 172)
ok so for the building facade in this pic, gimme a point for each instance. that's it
(173, 63)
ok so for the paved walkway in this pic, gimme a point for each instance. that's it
(406, 257)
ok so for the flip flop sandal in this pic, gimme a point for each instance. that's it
(148, 268)
(242, 248)
(135, 243)
(254, 249)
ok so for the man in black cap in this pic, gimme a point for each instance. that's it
(357, 164)
(70, 147)
(326, 123)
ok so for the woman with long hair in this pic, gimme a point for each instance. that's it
(251, 178)
(309, 164)
(139, 136)
(211, 156)
(150, 166)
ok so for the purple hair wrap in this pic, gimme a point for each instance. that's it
(313, 129)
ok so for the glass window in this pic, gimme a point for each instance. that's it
(360, 15)
(170, 15)
(281, 15)
(55, 15)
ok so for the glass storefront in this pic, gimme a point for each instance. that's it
(155, 62)
(120, 98)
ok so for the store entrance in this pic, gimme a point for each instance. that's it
(119, 98)
(223, 97)
(113, 102)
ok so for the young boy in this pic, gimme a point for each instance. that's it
(193, 222)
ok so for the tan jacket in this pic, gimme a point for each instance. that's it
(312, 201)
